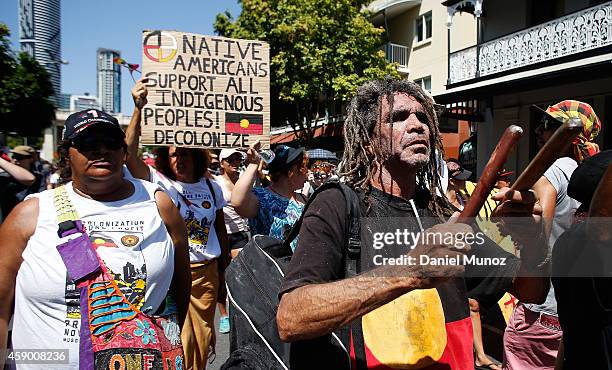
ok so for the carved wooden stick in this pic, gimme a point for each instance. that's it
(489, 176)
(548, 154)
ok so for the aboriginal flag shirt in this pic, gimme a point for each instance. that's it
(423, 329)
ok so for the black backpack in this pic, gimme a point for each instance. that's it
(253, 282)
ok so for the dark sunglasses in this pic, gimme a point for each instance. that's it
(233, 158)
(19, 157)
(88, 143)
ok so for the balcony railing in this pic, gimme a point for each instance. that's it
(581, 31)
(397, 54)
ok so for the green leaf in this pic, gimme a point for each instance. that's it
(25, 91)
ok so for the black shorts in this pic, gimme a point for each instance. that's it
(238, 240)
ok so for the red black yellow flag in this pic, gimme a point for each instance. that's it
(240, 123)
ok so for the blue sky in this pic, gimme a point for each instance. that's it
(90, 24)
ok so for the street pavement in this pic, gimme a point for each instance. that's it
(222, 346)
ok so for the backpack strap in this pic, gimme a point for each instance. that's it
(212, 191)
(352, 268)
(353, 332)
(77, 254)
(67, 217)
(353, 230)
(353, 240)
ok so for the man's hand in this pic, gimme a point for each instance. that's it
(139, 93)
(519, 214)
(435, 244)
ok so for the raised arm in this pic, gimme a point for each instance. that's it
(181, 280)
(548, 200)
(521, 215)
(15, 232)
(132, 135)
(243, 200)
(20, 174)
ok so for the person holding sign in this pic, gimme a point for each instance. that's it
(181, 172)
(273, 210)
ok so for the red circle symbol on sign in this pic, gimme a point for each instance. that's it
(160, 46)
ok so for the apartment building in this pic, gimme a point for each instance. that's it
(419, 41)
(528, 53)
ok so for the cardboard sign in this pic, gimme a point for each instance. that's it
(205, 91)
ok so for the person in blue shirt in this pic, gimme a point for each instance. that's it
(272, 210)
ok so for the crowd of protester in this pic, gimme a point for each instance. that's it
(165, 224)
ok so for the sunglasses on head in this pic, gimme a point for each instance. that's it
(88, 143)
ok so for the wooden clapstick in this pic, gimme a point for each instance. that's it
(548, 154)
(489, 176)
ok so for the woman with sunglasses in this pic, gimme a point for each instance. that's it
(135, 231)
(273, 210)
(182, 172)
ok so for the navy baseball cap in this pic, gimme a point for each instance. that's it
(78, 122)
(284, 156)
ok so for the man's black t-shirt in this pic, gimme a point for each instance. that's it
(430, 327)
(583, 283)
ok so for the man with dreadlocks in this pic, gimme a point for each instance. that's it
(397, 315)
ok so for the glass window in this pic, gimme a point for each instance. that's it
(423, 27)
(425, 83)
(419, 29)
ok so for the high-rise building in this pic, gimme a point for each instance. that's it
(63, 101)
(83, 102)
(39, 36)
(109, 80)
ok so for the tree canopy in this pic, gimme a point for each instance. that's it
(320, 52)
(25, 91)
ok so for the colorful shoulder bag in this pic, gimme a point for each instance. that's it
(114, 334)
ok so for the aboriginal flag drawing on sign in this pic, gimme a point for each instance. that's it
(240, 123)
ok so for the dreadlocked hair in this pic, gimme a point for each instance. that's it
(364, 112)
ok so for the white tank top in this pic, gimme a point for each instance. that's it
(133, 243)
(233, 222)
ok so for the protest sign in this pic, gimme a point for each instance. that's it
(205, 91)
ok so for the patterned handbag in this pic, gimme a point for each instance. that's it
(114, 333)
